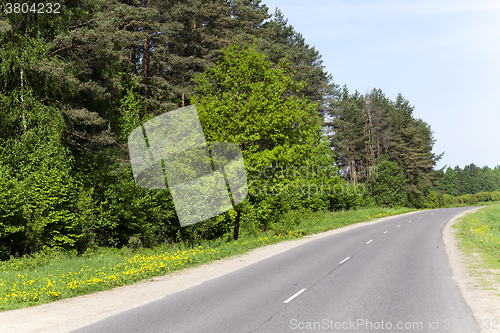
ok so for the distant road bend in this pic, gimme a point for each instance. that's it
(391, 276)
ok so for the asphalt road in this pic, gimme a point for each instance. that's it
(392, 276)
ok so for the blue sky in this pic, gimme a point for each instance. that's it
(441, 55)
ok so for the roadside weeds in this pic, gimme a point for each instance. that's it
(478, 280)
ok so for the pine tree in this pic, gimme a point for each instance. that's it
(413, 151)
(364, 130)
(450, 181)
(282, 41)
(196, 32)
(32, 125)
(348, 135)
(379, 114)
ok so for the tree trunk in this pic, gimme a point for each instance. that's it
(25, 126)
(370, 137)
(146, 69)
(147, 56)
(354, 165)
(237, 224)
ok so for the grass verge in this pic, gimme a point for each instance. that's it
(481, 203)
(479, 237)
(51, 276)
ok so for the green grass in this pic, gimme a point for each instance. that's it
(481, 203)
(50, 275)
(483, 229)
(479, 237)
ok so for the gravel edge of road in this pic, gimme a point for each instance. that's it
(484, 304)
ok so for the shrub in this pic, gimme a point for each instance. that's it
(388, 185)
(134, 242)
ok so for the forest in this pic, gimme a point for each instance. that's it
(75, 84)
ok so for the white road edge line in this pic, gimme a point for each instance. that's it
(297, 294)
(343, 261)
(369, 241)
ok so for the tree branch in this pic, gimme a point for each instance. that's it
(121, 147)
(98, 153)
(82, 24)
(63, 48)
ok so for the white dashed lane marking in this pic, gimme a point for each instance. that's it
(292, 297)
(343, 261)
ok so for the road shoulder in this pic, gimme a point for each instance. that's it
(483, 300)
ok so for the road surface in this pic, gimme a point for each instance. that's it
(391, 276)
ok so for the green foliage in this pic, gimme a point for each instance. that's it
(126, 210)
(281, 41)
(483, 196)
(365, 130)
(388, 185)
(432, 200)
(448, 182)
(39, 211)
(132, 109)
(467, 186)
(245, 100)
(134, 242)
(73, 86)
(444, 199)
(469, 180)
(469, 199)
(348, 124)
(12, 221)
(50, 195)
